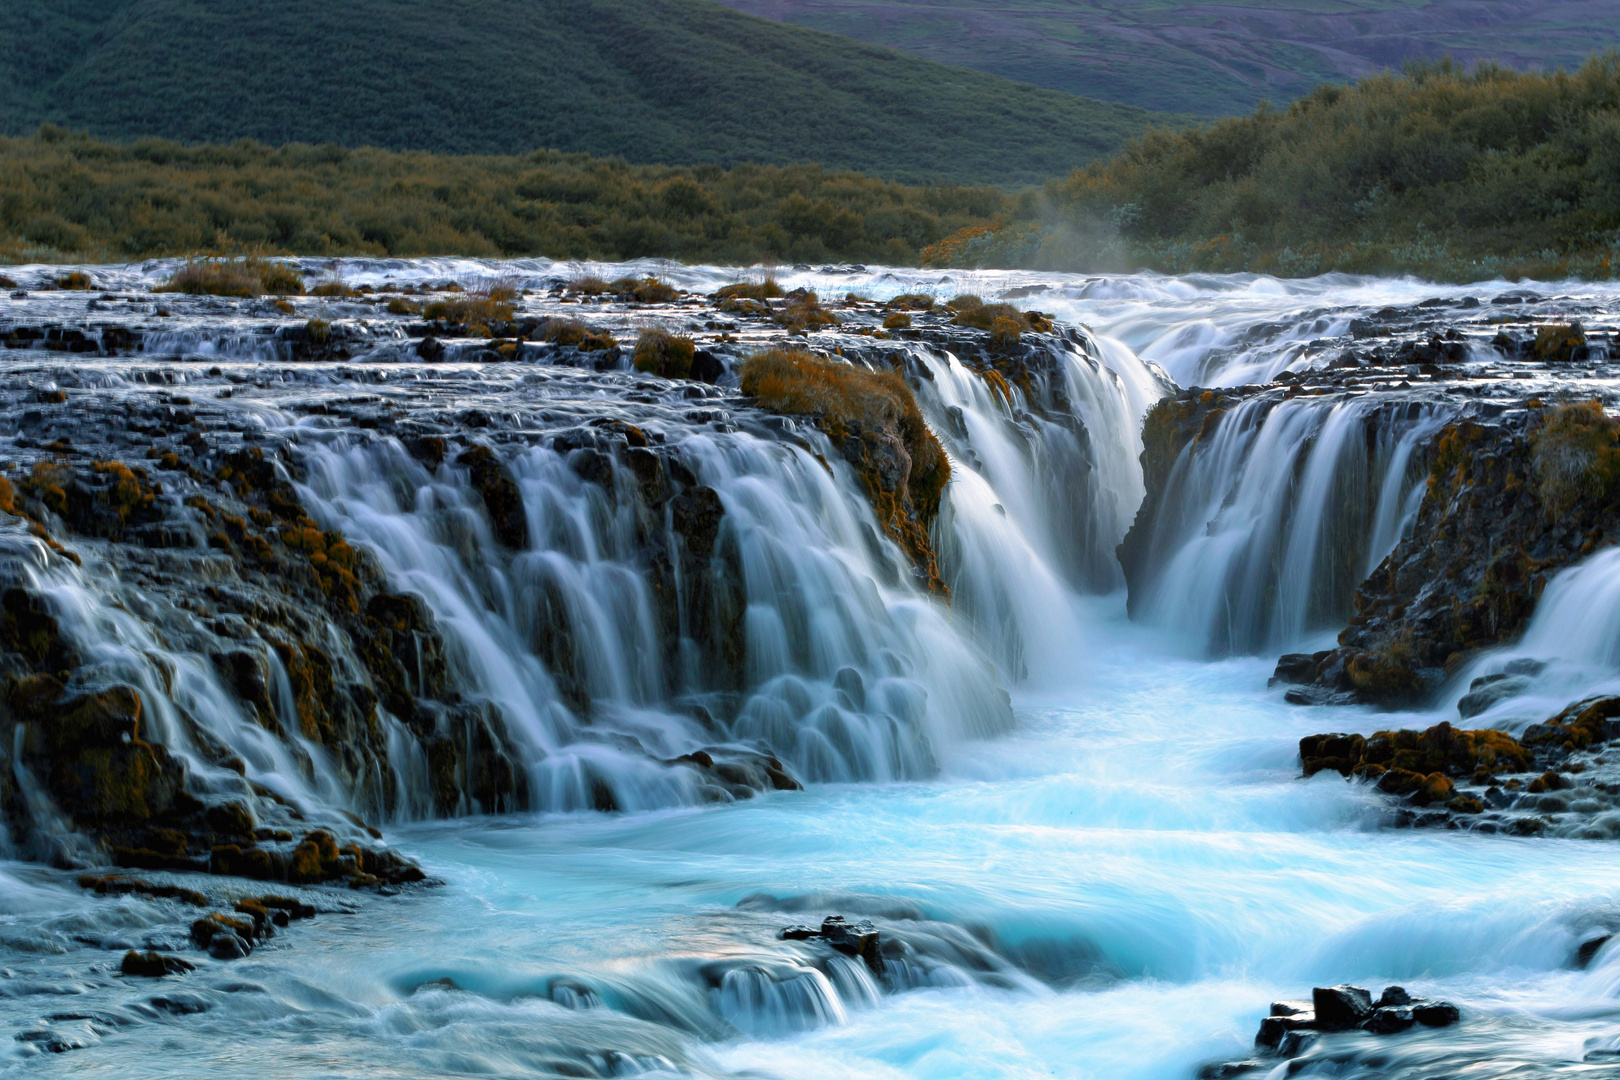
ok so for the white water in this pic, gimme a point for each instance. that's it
(1267, 528)
(1114, 889)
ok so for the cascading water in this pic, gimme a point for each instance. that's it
(1268, 524)
(1569, 651)
(1112, 887)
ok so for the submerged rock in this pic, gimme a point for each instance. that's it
(153, 965)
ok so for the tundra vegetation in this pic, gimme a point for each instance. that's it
(1443, 172)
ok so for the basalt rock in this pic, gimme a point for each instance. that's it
(858, 939)
(1556, 779)
(1509, 503)
(502, 499)
(152, 965)
(1293, 1027)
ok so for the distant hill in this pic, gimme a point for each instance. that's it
(1217, 58)
(666, 81)
(1443, 172)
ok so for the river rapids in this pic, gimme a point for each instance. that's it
(1074, 815)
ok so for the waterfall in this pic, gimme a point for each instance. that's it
(1570, 650)
(603, 591)
(1044, 483)
(1265, 528)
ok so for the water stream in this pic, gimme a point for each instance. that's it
(1112, 878)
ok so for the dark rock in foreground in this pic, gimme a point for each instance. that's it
(1557, 779)
(858, 939)
(1294, 1027)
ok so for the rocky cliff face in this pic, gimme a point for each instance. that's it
(205, 667)
(1510, 501)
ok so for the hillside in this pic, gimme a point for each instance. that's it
(1211, 59)
(72, 198)
(1444, 173)
(653, 81)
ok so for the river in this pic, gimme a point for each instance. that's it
(1113, 883)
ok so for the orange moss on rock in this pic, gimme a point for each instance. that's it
(1440, 751)
(873, 418)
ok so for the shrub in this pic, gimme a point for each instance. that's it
(971, 311)
(158, 198)
(332, 288)
(747, 290)
(896, 320)
(398, 305)
(578, 334)
(1441, 171)
(841, 395)
(659, 352)
(1005, 332)
(233, 277)
(1574, 454)
(1557, 343)
(914, 302)
(589, 285)
(803, 312)
(319, 330)
(78, 280)
(477, 311)
(647, 290)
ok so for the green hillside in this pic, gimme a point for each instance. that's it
(68, 197)
(1441, 172)
(1211, 57)
(668, 81)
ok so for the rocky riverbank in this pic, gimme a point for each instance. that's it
(159, 451)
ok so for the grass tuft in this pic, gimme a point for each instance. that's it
(803, 312)
(573, 332)
(647, 290)
(234, 277)
(750, 290)
(659, 352)
(1575, 455)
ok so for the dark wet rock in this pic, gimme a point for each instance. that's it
(859, 939)
(153, 965)
(1388, 1020)
(1227, 1070)
(1556, 777)
(502, 499)
(707, 367)
(1273, 1028)
(228, 946)
(1294, 1027)
(1393, 997)
(1435, 1013)
(1589, 949)
(1294, 1043)
(1469, 571)
(1297, 668)
(696, 515)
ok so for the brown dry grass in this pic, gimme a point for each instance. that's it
(581, 335)
(659, 352)
(799, 383)
(246, 277)
(750, 290)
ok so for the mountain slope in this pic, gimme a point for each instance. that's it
(675, 81)
(1210, 58)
